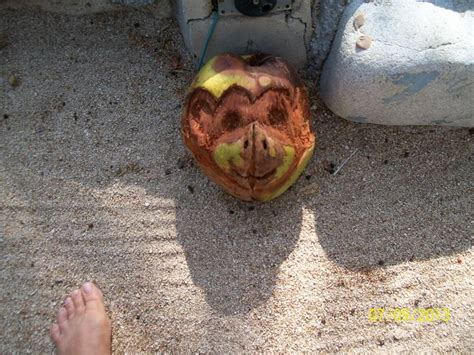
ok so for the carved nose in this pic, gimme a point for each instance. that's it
(264, 152)
(248, 143)
(256, 144)
(261, 155)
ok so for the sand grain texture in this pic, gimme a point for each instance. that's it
(96, 184)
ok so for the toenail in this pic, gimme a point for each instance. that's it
(67, 300)
(75, 292)
(87, 287)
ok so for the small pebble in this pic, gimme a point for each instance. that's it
(359, 21)
(181, 164)
(330, 168)
(14, 80)
(364, 42)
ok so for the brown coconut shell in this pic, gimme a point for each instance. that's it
(247, 123)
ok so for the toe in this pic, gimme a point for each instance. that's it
(69, 307)
(54, 333)
(92, 295)
(78, 301)
(61, 318)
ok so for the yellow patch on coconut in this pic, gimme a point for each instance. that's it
(264, 80)
(220, 82)
(204, 74)
(226, 153)
(291, 180)
(287, 161)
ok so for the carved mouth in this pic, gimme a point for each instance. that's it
(263, 177)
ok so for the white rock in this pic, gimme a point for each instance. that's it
(419, 68)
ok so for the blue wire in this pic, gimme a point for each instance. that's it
(215, 17)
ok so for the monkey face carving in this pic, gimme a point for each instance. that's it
(247, 123)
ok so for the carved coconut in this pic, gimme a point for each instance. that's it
(247, 123)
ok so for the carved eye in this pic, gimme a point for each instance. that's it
(231, 121)
(200, 105)
(277, 116)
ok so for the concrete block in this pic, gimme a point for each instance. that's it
(284, 34)
(417, 68)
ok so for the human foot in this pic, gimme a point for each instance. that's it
(82, 326)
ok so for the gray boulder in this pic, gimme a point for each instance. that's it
(402, 62)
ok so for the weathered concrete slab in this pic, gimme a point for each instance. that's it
(284, 34)
(417, 68)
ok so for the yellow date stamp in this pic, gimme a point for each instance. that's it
(418, 315)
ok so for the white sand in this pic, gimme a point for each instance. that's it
(94, 185)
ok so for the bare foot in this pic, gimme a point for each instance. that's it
(82, 326)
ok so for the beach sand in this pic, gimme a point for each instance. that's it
(96, 184)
